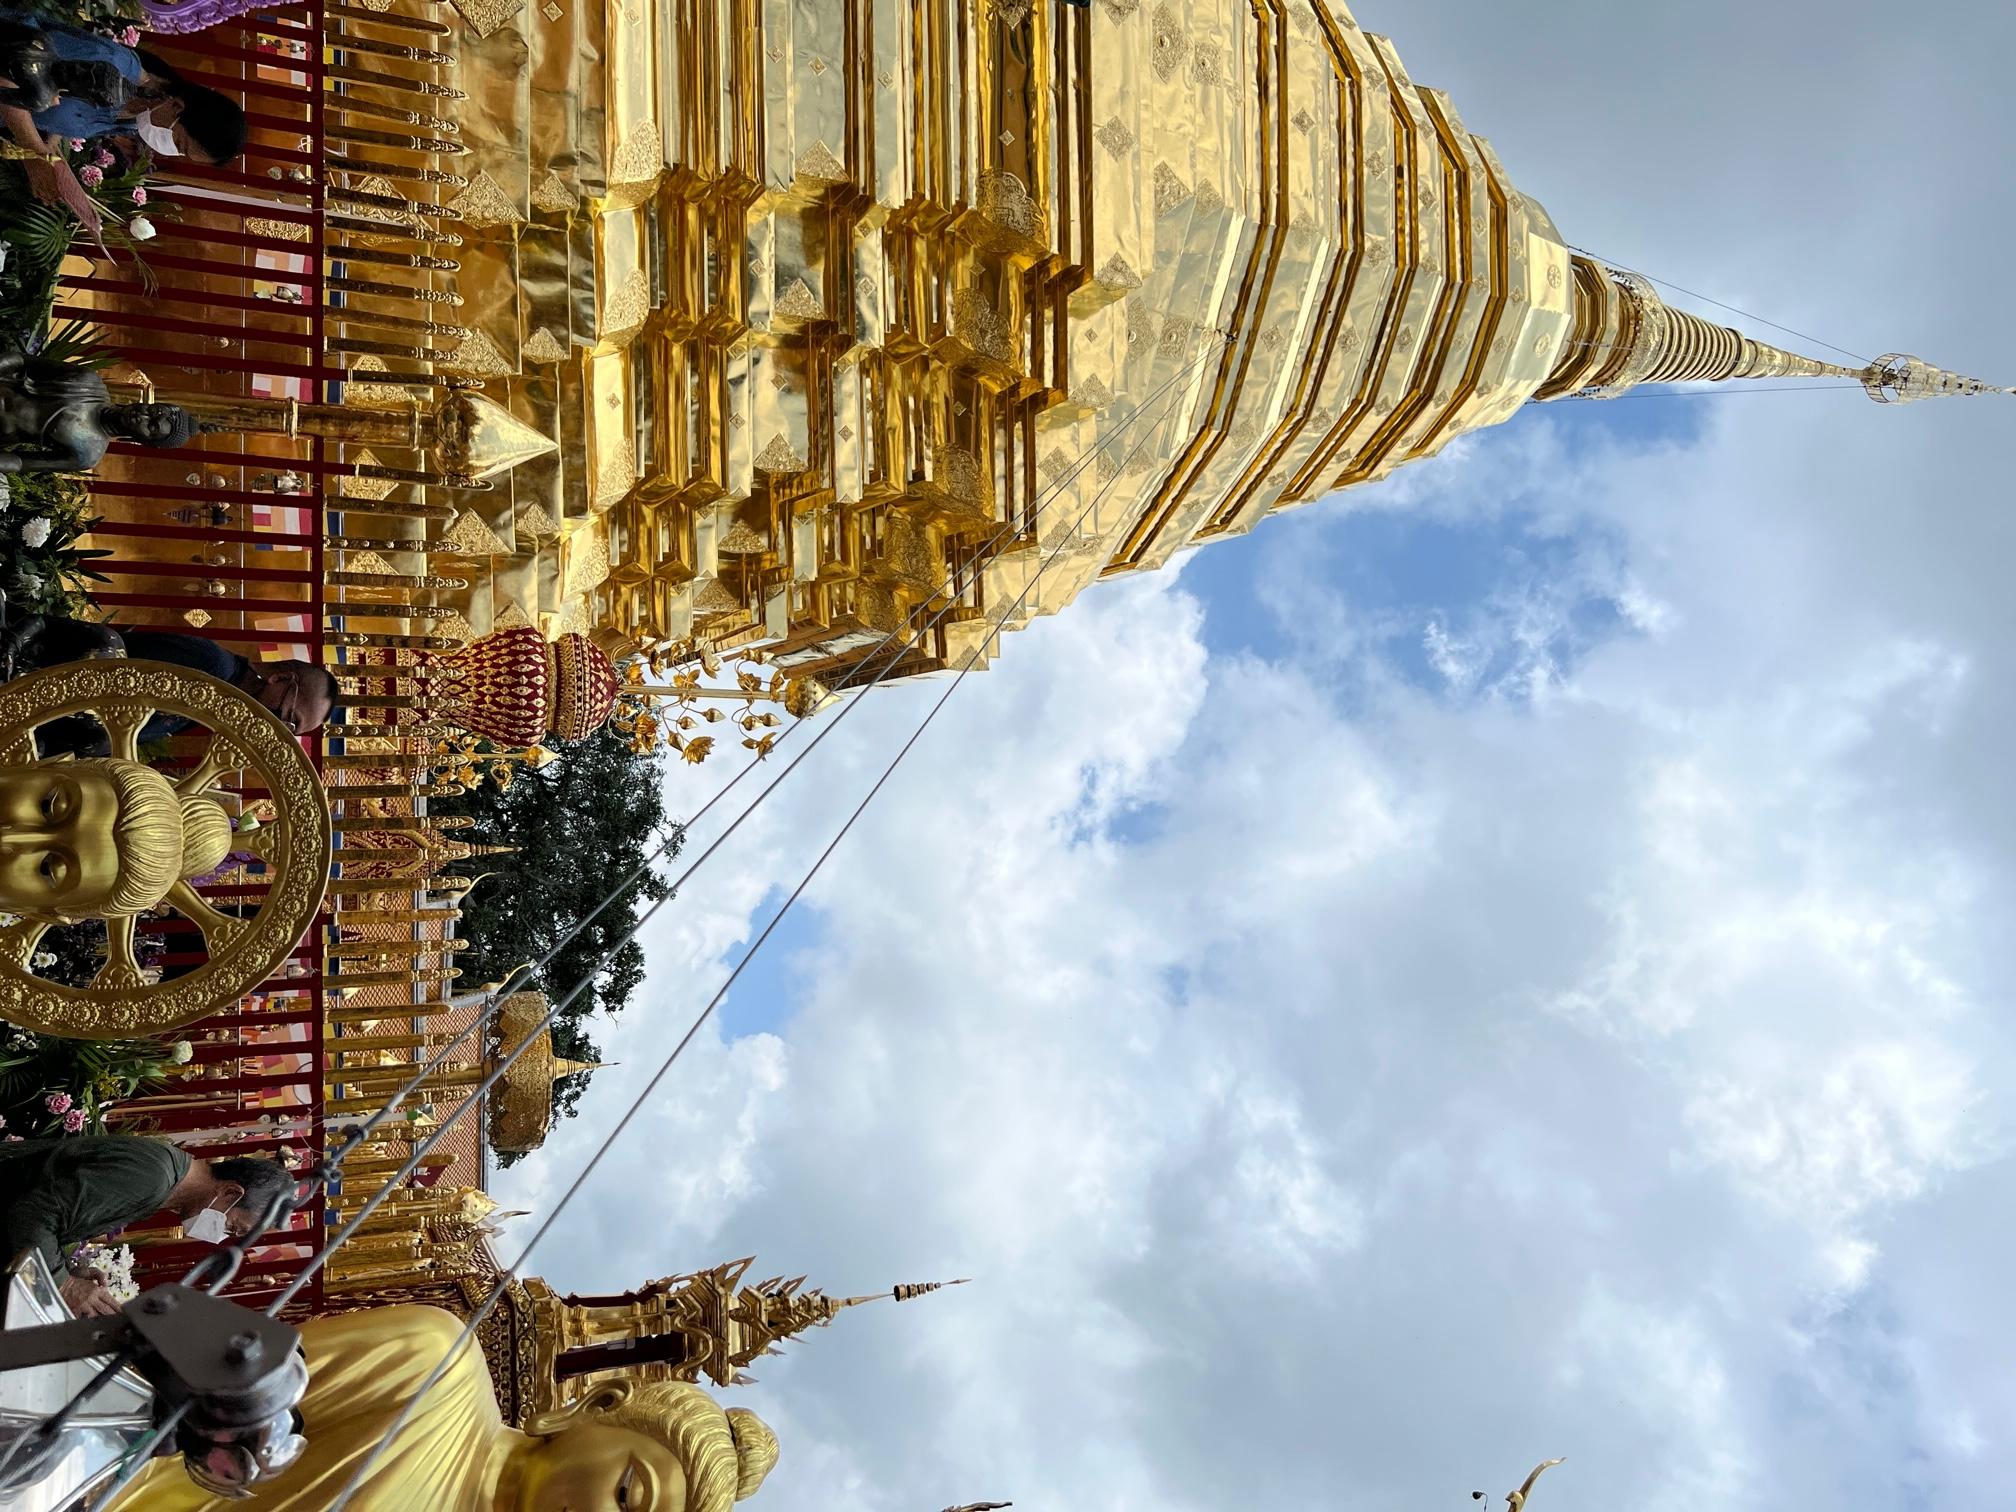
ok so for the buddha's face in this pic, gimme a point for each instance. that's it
(57, 858)
(590, 1467)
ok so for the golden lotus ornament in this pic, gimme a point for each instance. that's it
(113, 838)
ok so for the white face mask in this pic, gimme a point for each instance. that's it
(160, 140)
(208, 1226)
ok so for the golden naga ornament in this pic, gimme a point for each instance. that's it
(112, 838)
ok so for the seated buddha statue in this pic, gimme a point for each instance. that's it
(101, 838)
(660, 1447)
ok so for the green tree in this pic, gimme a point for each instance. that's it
(583, 824)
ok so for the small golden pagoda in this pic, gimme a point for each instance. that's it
(681, 1328)
(521, 1102)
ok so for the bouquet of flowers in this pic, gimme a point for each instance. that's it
(114, 1262)
(42, 570)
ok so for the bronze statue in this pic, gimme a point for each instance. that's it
(56, 416)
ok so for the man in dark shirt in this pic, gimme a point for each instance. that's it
(300, 693)
(57, 1193)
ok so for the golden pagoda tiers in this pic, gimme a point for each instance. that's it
(828, 325)
(886, 322)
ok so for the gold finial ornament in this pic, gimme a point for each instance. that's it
(110, 839)
(1896, 379)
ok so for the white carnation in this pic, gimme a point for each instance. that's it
(140, 228)
(35, 532)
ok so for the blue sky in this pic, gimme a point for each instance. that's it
(1401, 567)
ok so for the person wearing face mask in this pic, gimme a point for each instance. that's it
(61, 83)
(57, 1193)
(300, 694)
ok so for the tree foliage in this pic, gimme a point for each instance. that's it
(583, 824)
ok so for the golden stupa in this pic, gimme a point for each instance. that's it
(844, 316)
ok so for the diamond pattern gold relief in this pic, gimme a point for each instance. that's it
(1115, 138)
(1208, 200)
(485, 16)
(544, 347)
(370, 393)
(1092, 393)
(551, 11)
(1207, 66)
(627, 310)
(1170, 190)
(1170, 45)
(798, 302)
(553, 196)
(819, 163)
(1004, 199)
(587, 563)
(535, 524)
(373, 489)
(778, 457)
(619, 476)
(484, 203)
(471, 537)
(641, 157)
(481, 357)
(1120, 10)
(1116, 274)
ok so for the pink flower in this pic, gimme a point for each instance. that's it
(102, 158)
(76, 144)
(12, 1139)
(139, 195)
(73, 1121)
(130, 37)
(91, 176)
(57, 1102)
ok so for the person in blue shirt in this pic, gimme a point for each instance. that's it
(300, 694)
(79, 85)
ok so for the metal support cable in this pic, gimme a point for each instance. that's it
(230, 1255)
(1732, 309)
(468, 1333)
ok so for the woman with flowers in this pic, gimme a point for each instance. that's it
(65, 86)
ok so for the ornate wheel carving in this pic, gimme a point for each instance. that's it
(243, 950)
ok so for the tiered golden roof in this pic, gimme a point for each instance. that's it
(886, 313)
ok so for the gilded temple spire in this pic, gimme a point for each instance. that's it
(1622, 334)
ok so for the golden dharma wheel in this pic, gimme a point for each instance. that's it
(114, 838)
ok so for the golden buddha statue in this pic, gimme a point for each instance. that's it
(111, 838)
(100, 838)
(664, 1447)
